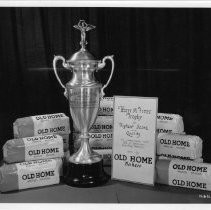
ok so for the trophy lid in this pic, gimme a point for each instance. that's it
(83, 54)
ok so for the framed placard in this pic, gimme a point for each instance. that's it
(134, 143)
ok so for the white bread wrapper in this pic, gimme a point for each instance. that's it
(172, 123)
(197, 160)
(103, 124)
(30, 174)
(183, 173)
(179, 146)
(57, 123)
(33, 148)
(106, 106)
(96, 140)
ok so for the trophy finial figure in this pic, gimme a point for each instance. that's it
(83, 27)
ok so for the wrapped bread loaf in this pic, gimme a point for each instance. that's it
(96, 140)
(169, 123)
(179, 146)
(42, 125)
(33, 148)
(103, 124)
(30, 174)
(197, 160)
(187, 174)
(106, 106)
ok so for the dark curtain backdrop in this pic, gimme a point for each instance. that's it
(158, 52)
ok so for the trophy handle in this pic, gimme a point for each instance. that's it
(56, 58)
(101, 65)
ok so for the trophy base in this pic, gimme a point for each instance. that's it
(85, 175)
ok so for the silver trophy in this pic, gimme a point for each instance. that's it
(85, 167)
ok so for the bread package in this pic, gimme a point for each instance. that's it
(179, 146)
(197, 160)
(33, 148)
(30, 174)
(103, 124)
(42, 125)
(106, 106)
(96, 140)
(169, 123)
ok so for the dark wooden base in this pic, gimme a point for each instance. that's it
(85, 175)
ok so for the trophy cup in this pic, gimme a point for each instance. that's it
(85, 167)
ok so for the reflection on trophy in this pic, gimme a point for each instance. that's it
(85, 167)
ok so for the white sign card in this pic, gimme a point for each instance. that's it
(134, 139)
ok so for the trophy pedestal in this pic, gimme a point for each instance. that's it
(85, 175)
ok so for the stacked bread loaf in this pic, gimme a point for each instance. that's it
(172, 142)
(34, 157)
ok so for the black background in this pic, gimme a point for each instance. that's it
(158, 52)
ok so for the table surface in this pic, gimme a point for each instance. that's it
(112, 192)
